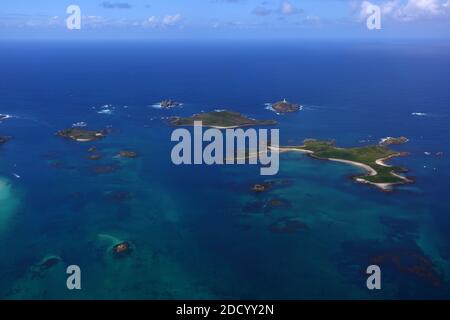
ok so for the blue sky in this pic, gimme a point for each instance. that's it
(216, 19)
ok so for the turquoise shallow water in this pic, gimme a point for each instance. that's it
(197, 231)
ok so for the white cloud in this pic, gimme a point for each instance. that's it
(287, 8)
(389, 7)
(93, 21)
(421, 8)
(166, 21)
(312, 19)
(152, 21)
(410, 10)
(171, 20)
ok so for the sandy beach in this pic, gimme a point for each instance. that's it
(387, 187)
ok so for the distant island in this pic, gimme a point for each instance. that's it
(221, 119)
(371, 158)
(3, 139)
(285, 107)
(82, 135)
(169, 103)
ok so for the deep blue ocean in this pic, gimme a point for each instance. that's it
(198, 231)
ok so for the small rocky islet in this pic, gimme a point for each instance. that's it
(82, 135)
(127, 154)
(286, 107)
(95, 156)
(263, 187)
(122, 249)
(169, 104)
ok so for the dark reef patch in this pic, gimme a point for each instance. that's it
(403, 264)
(118, 196)
(39, 269)
(288, 225)
(254, 207)
(409, 262)
(104, 169)
(266, 206)
(399, 229)
(277, 203)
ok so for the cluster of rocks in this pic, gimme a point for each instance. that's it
(393, 141)
(261, 187)
(169, 103)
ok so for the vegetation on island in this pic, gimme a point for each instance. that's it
(82, 135)
(367, 155)
(220, 119)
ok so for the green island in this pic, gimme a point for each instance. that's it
(82, 135)
(285, 107)
(371, 158)
(220, 119)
